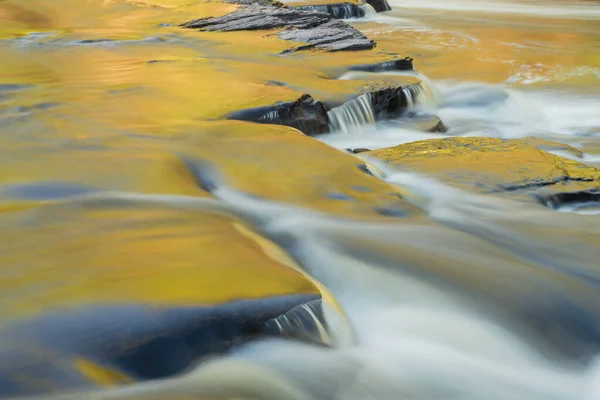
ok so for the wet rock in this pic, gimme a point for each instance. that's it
(113, 42)
(41, 191)
(357, 150)
(314, 117)
(379, 5)
(260, 17)
(389, 103)
(331, 36)
(304, 322)
(143, 342)
(402, 64)
(493, 165)
(316, 29)
(421, 122)
(338, 10)
(559, 200)
(553, 147)
(13, 87)
(305, 114)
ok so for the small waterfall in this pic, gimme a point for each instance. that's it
(420, 96)
(353, 113)
(430, 95)
(342, 10)
(359, 111)
(367, 10)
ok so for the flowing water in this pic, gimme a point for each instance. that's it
(118, 187)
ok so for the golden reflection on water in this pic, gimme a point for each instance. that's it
(116, 115)
(113, 115)
(495, 47)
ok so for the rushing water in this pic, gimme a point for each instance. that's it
(461, 295)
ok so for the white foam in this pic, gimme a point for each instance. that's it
(537, 8)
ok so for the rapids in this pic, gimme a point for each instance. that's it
(112, 160)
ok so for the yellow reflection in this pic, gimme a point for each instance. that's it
(72, 256)
(489, 161)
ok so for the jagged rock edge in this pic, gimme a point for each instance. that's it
(316, 29)
(387, 103)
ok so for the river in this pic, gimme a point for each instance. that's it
(107, 124)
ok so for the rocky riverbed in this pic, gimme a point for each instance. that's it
(252, 199)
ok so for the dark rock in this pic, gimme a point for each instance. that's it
(559, 200)
(260, 17)
(316, 29)
(333, 36)
(337, 10)
(314, 117)
(402, 64)
(305, 114)
(379, 5)
(357, 150)
(13, 87)
(389, 103)
(305, 322)
(141, 341)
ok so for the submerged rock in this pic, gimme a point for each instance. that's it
(305, 114)
(139, 342)
(260, 17)
(341, 10)
(493, 165)
(316, 29)
(402, 64)
(573, 199)
(389, 103)
(357, 150)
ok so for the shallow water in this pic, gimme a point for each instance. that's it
(119, 188)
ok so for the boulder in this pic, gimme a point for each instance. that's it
(305, 114)
(316, 29)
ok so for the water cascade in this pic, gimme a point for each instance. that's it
(360, 111)
(342, 10)
(353, 113)
(367, 10)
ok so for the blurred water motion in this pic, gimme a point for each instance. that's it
(150, 251)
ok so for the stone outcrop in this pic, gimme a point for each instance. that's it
(331, 36)
(305, 114)
(316, 29)
(338, 10)
(571, 198)
(311, 116)
(401, 64)
(420, 122)
(492, 165)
